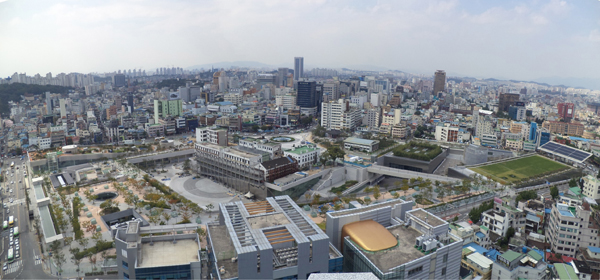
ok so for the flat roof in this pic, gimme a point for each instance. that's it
(405, 252)
(360, 141)
(161, 156)
(165, 253)
(425, 216)
(480, 260)
(301, 150)
(366, 208)
(369, 235)
(265, 221)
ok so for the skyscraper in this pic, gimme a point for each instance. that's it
(298, 68)
(130, 102)
(505, 100)
(439, 82)
(282, 76)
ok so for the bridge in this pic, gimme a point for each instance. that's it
(407, 174)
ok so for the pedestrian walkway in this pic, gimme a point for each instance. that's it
(13, 267)
(37, 260)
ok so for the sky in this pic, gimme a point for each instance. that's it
(523, 40)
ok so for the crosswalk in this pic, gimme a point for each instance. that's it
(16, 202)
(13, 267)
(37, 260)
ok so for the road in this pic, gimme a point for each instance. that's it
(29, 264)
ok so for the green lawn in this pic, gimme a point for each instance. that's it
(519, 169)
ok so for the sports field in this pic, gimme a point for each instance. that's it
(519, 169)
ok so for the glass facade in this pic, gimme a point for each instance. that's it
(164, 272)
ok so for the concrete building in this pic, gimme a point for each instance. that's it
(271, 239)
(447, 133)
(394, 242)
(439, 82)
(513, 265)
(213, 135)
(591, 187)
(365, 145)
(256, 145)
(505, 100)
(164, 108)
(575, 129)
(307, 95)
(140, 255)
(566, 111)
(287, 101)
(400, 131)
(477, 263)
(339, 115)
(306, 155)
(571, 228)
(503, 216)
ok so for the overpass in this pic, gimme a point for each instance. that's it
(407, 174)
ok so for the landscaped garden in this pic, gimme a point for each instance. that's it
(418, 150)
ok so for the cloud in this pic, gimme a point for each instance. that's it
(594, 35)
(511, 39)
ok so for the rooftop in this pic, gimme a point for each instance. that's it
(511, 255)
(369, 235)
(167, 253)
(565, 271)
(360, 141)
(365, 208)
(301, 150)
(264, 221)
(403, 253)
(427, 217)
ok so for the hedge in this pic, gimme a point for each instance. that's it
(102, 245)
(433, 151)
(75, 220)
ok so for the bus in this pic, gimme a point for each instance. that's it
(5, 225)
(11, 257)
(11, 221)
(12, 164)
(16, 232)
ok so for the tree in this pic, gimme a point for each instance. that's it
(337, 206)
(376, 192)
(92, 259)
(441, 193)
(396, 195)
(324, 157)
(335, 152)
(166, 216)
(324, 210)
(405, 188)
(573, 182)
(209, 208)
(367, 200)
(74, 259)
(554, 192)
(186, 165)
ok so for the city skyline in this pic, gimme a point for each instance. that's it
(545, 41)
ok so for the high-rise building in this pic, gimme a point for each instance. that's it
(338, 114)
(298, 68)
(282, 76)
(49, 103)
(307, 95)
(63, 108)
(119, 80)
(505, 100)
(566, 111)
(439, 82)
(130, 103)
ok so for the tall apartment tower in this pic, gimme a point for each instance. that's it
(439, 82)
(298, 68)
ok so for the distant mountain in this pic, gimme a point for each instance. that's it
(228, 64)
(588, 83)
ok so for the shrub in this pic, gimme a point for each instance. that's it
(101, 246)
(432, 151)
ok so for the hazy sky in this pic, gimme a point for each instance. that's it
(481, 38)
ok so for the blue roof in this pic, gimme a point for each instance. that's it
(533, 218)
(593, 249)
(566, 213)
(477, 248)
(492, 254)
(480, 234)
(222, 103)
(579, 139)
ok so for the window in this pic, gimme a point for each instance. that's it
(445, 259)
(125, 275)
(125, 265)
(444, 271)
(415, 270)
(124, 253)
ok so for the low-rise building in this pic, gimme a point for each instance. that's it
(399, 131)
(365, 145)
(502, 217)
(513, 265)
(591, 187)
(270, 239)
(264, 145)
(213, 135)
(306, 155)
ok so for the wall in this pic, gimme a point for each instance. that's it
(425, 166)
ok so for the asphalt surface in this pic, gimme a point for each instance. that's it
(29, 264)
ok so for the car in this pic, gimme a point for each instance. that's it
(10, 191)
(7, 211)
(5, 267)
(17, 247)
(17, 255)
(5, 206)
(11, 200)
(12, 230)
(20, 181)
(11, 243)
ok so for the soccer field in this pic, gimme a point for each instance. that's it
(519, 169)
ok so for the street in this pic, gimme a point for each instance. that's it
(28, 265)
